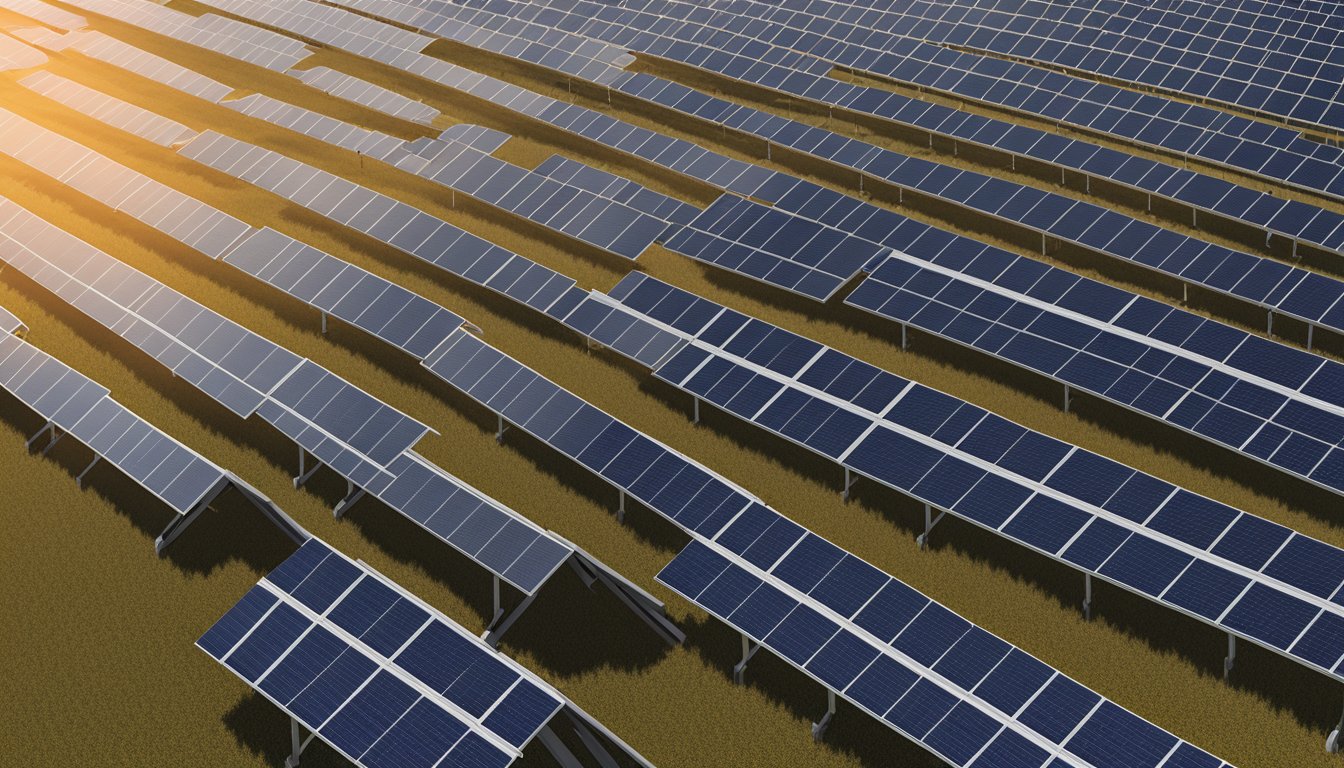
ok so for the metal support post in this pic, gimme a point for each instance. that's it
(499, 610)
(296, 744)
(1332, 741)
(905, 341)
(352, 494)
(1269, 323)
(499, 434)
(1087, 596)
(1042, 243)
(492, 635)
(79, 481)
(929, 521)
(620, 511)
(304, 473)
(849, 483)
(45, 427)
(748, 650)
(324, 323)
(1185, 293)
(1310, 328)
(819, 728)
(1067, 398)
(695, 410)
(1231, 659)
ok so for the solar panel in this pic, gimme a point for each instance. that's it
(374, 672)
(637, 196)
(9, 323)
(351, 88)
(809, 607)
(46, 13)
(572, 211)
(328, 129)
(774, 247)
(385, 219)
(602, 320)
(1263, 400)
(477, 137)
(113, 111)
(112, 51)
(15, 54)
(1095, 514)
(381, 308)
(331, 26)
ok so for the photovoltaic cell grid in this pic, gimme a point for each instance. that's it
(774, 246)
(374, 672)
(98, 46)
(113, 111)
(620, 189)
(375, 144)
(384, 309)
(203, 227)
(82, 408)
(46, 13)
(15, 54)
(572, 211)
(387, 220)
(351, 88)
(477, 137)
(606, 322)
(807, 608)
(361, 36)
(1264, 400)
(779, 55)
(9, 323)
(1240, 573)
(1290, 218)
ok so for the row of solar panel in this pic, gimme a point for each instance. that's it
(317, 125)
(110, 110)
(355, 33)
(801, 608)
(1262, 281)
(715, 41)
(572, 211)
(15, 54)
(1198, 381)
(1240, 573)
(386, 220)
(46, 13)
(374, 672)
(351, 88)
(112, 51)
(344, 426)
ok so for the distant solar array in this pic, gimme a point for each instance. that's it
(573, 211)
(841, 621)
(110, 110)
(75, 405)
(351, 88)
(363, 37)
(98, 46)
(322, 127)
(1243, 574)
(669, 209)
(390, 221)
(478, 137)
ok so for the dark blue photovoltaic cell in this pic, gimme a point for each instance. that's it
(1059, 708)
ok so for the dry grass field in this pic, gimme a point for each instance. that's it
(97, 663)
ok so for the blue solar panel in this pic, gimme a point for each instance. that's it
(377, 704)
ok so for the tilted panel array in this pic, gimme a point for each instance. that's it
(619, 188)
(807, 609)
(325, 24)
(774, 246)
(1265, 400)
(374, 672)
(46, 13)
(112, 51)
(387, 220)
(478, 137)
(1241, 573)
(321, 127)
(15, 54)
(83, 409)
(203, 227)
(113, 111)
(377, 306)
(9, 322)
(351, 88)
(569, 210)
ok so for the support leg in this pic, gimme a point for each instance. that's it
(819, 728)
(1087, 596)
(493, 635)
(1310, 328)
(695, 411)
(1185, 293)
(45, 428)
(1068, 398)
(905, 341)
(296, 744)
(176, 527)
(304, 473)
(620, 511)
(849, 484)
(1042, 243)
(324, 323)
(499, 434)
(1269, 323)
(352, 495)
(499, 609)
(79, 481)
(748, 650)
(1231, 659)
(1332, 741)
